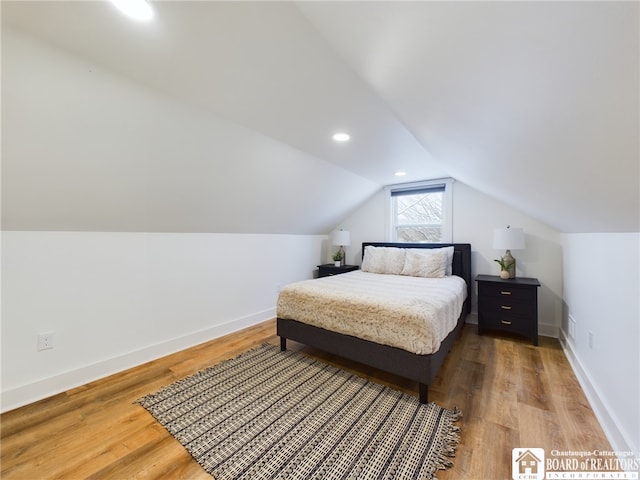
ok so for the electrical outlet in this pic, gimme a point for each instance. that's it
(590, 339)
(45, 341)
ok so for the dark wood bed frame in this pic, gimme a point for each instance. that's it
(419, 368)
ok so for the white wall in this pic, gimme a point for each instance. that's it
(115, 300)
(475, 215)
(602, 295)
(85, 149)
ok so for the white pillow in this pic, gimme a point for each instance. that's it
(430, 263)
(388, 260)
(448, 250)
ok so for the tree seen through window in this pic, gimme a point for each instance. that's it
(419, 215)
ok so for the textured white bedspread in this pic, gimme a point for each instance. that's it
(412, 313)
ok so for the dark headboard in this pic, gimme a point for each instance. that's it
(461, 260)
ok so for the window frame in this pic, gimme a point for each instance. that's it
(447, 206)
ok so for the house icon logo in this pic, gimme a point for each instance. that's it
(527, 463)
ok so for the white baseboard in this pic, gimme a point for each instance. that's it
(599, 406)
(47, 387)
(472, 318)
(547, 330)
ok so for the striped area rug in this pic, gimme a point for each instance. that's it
(268, 414)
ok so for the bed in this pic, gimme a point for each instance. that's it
(419, 367)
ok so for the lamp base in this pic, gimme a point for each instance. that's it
(342, 256)
(508, 259)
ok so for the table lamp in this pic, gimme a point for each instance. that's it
(342, 238)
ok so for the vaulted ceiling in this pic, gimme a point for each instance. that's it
(533, 103)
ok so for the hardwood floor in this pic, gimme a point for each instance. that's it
(511, 393)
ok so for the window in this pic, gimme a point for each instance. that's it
(421, 212)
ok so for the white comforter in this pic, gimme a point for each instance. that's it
(412, 313)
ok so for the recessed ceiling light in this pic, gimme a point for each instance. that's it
(136, 9)
(341, 137)
(400, 174)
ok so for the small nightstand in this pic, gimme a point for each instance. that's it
(329, 269)
(508, 305)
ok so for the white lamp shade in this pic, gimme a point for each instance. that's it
(508, 239)
(342, 238)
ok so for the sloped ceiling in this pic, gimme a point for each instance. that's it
(535, 103)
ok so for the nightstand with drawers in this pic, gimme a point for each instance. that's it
(329, 269)
(508, 305)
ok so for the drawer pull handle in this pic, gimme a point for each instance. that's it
(505, 307)
(505, 322)
(505, 292)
